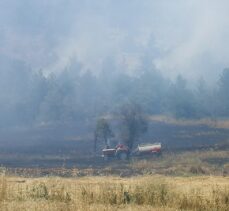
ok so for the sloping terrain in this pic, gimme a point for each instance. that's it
(72, 144)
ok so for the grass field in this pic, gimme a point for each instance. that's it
(181, 163)
(194, 177)
(115, 193)
(192, 180)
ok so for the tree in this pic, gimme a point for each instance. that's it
(134, 123)
(181, 101)
(223, 93)
(103, 132)
(205, 98)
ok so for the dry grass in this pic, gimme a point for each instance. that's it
(114, 193)
(208, 162)
(214, 123)
(185, 163)
(175, 181)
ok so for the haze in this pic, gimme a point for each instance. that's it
(68, 60)
(178, 37)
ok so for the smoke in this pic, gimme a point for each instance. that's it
(177, 37)
(201, 47)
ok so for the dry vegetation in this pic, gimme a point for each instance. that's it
(176, 181)
(115, 193)
(211, 122)
(189, 163)
(197, 180)
(210, 162)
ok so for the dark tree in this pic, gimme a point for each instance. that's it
(134, 123)
(103, 132)
(181, 101)
(223, 93)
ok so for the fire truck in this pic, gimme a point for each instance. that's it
(122, 152)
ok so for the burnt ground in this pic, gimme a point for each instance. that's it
(71, 146)
(181, 163)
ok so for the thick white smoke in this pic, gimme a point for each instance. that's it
(187, 37)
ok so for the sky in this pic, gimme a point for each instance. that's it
(177, 37)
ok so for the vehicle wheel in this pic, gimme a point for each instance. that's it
(122, 156)
(159, 154)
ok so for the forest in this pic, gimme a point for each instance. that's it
(33, 98)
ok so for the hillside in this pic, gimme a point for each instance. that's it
(69, 144)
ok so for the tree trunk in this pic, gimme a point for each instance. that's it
(95, 144)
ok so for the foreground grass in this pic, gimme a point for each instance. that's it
(115, 193)
(209, 162)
